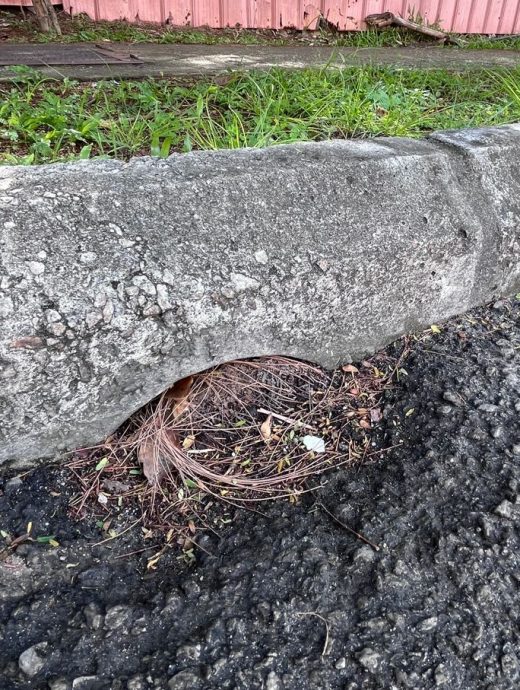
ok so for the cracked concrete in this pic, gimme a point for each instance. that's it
(322, 251)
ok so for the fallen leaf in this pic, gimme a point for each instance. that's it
(181, 389)
(101, 464)
(354, 391)
(314, 443)
(362, 411)
(350, 369)
(46, 539)
(152, 562)
(178, 395)
(435, 329)
(364, 424)
(265, 429)
(148, 456)
(114, 486)
(188, 442)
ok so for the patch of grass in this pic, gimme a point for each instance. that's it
(477, 42)
(81, 28)
(46, 120)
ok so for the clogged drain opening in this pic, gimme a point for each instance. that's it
(241, 433)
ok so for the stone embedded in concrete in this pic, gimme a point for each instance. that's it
(119, 278)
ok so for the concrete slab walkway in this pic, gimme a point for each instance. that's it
(154, 60)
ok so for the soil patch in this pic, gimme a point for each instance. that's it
(285, 597)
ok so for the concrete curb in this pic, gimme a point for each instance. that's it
(118, 279)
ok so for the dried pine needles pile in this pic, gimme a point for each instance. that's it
(242, 432)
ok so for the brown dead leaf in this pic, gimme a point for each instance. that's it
(180, 407)
(265, 429)
(188, 442)
(364, 423)
(114, 486)
(354, 391)
(362, 411)
(178, 395)
(153, 468)
(180, 389)
(350, 369)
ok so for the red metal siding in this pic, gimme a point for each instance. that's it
(463, 16)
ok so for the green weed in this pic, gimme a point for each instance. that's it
(46, 120)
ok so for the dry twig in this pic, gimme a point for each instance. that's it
(386, 19)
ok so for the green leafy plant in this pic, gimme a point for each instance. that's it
(45, 120)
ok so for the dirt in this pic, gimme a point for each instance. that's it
(284, 596)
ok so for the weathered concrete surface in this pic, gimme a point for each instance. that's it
(117, 279)
(189, 61)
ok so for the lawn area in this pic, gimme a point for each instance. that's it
(46, 120)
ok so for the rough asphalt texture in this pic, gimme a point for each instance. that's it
(188, 61)
(436, 606)
(121, 278)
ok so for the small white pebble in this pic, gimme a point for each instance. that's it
(261, 257)
(36, 267)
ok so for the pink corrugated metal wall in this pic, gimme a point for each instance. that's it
(462, 16)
